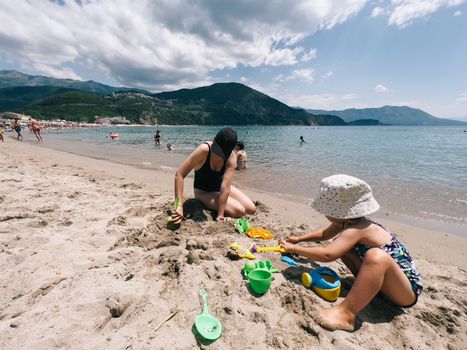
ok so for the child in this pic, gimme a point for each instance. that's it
(376, 257)
(1, 132)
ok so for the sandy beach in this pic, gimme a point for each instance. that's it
(88, 264)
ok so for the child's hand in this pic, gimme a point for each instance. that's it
(293, 239)
(285, 245)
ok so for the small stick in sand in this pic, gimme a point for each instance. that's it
(174, 312)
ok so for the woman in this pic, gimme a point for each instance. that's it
(214, 164)
(36, 128)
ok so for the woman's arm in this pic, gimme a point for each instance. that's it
(193, 160)
(225, 186)
(341, 245)
(319, 235)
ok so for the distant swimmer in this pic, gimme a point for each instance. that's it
(169, 147)
(36, 128)
(302, 140)
(16, 126)
(157, 137)
(241, 156)
(114, 136)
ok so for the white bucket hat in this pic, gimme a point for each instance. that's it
(344, 197)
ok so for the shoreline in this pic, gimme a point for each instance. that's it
(430, 223)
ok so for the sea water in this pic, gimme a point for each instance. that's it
(417, 171)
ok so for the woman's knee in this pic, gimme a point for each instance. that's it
(250, 208)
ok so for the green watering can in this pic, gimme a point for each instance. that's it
(208, 326)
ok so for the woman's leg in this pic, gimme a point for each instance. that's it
(379, 272)
(233, 207)
(243, 199)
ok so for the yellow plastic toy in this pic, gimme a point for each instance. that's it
(324, 282)
(255, 248)
(258, 232)
(247, 254)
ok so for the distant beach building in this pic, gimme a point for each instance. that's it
(111, 120)
(8, 117)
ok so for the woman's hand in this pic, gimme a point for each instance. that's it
(177, 215)
(220, 218)
(293, 239)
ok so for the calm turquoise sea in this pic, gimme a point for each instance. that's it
(418, 171)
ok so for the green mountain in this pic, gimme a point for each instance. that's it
(14, 97)
(236, 104)
(218, 104)
(393, 115)
(12, 78)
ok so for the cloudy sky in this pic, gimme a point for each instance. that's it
(323, 54)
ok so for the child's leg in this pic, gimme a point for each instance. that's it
(379, 272)
(352, 261)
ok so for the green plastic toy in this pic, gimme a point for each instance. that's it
(242, 225)
(208, 326)
(260, 281)
(258, 265)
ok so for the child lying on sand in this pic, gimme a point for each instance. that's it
(376, 257)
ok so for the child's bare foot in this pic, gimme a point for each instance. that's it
(335, 318)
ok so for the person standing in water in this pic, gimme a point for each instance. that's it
(302, 140)
(157, 138)
(214, 164)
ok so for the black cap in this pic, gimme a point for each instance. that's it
(224, 142)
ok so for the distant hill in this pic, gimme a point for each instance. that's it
(237, 104)
(14, 97)
(219, 104)
(12, 78)
(393, 115)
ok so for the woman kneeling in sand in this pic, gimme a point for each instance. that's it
(214, 164)
(376, 257)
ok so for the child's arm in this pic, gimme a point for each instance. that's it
(333, 251)
(319, 235)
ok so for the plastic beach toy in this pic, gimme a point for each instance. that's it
(242, 225)
(208, 326)
(260, 281)
(247, 254)
(256, 248)
(258, 232)
(324, 281)
(169, 222)
(258, 265)
(289, 260)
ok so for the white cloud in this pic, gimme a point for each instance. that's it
(243, 79)
(377, 11)
(405, 11)
(163, 44)
(297, 74)
(462, 97)
(283, 57)
(320, 101)
(458, 13)
(308, 56)
(380, 88)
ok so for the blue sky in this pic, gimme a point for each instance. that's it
(320, 54)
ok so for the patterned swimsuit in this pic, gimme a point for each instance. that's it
(401, 256)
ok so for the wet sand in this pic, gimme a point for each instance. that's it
(87, 263)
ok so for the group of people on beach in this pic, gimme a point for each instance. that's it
(375, 256)
(34, 125)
